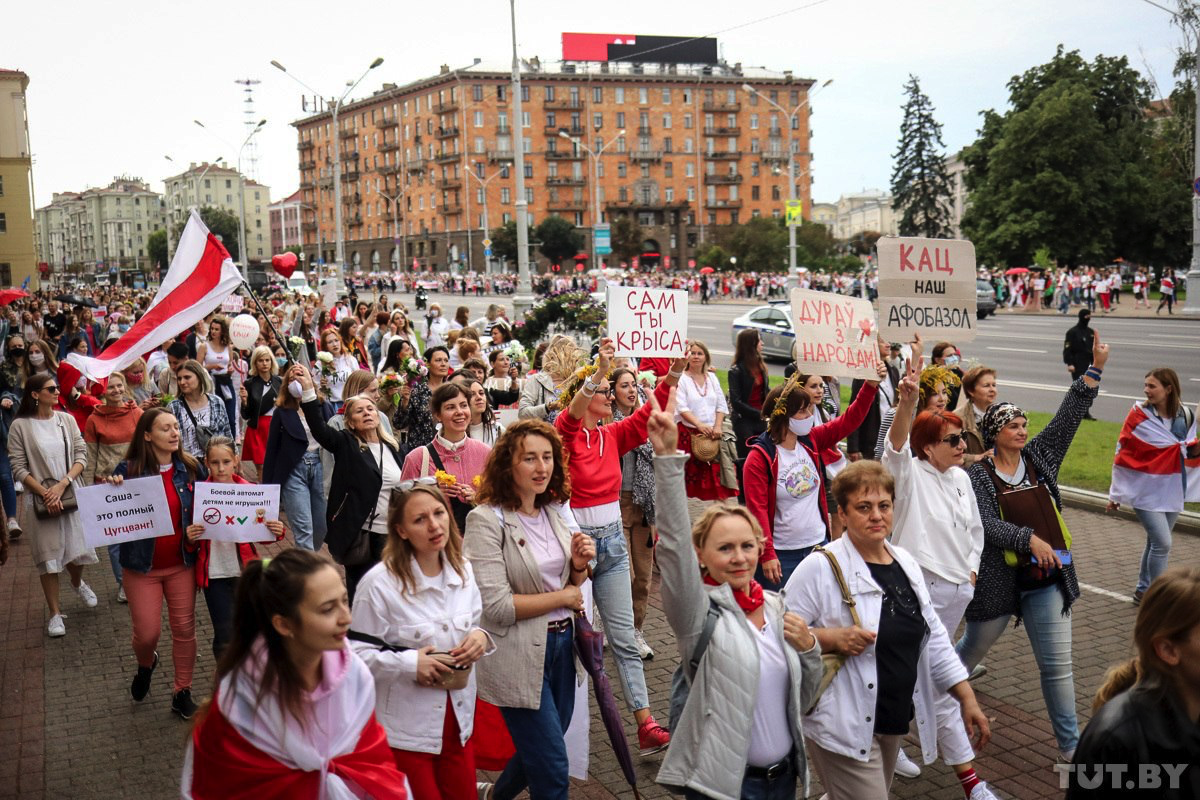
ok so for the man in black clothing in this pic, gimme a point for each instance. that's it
(54, 322)
(1077, 348)
(861, 443)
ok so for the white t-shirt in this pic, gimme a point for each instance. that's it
(797, 522)
(770, 730)
(391, 477)
(702, 401)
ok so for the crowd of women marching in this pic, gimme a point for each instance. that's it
(453, 503)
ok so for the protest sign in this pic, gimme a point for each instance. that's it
(233, 304)
(137, 509)
(647, 322)
(926, 286)
(835, 335)
(236, 512)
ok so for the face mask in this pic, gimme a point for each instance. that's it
(434, 313)
(801, 427)
(951, 361)
(281, 362)
(36, 358)
(295, 389)
(17, 352)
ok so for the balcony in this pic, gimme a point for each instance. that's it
(720, 179)
(307, 165)
(306, 144)
(347, 134)
(445, 108)
(388, 169)
(306, 185)
(729, 155)
(500, 155)
(449, 183)
(566, 180)
(417, 165)
(723, 204)
(450, 209)
(350, 155)
(354, 221)
(645, 155)
(726, 107)
(565, 155)
(555, 130)
(308, 227)
(387, 147)
(563, 104)
(778, 156)
(734, 131)
(446, 133)
(355, 198)
(567, 205)
(447, 157)
(349, 176)
(643, 130)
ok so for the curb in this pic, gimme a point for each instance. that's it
(1188, 522)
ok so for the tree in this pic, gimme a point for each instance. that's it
(760, 244)
(627, 238)
(712, 255)
(815, 241)
(294, 248)
(559, 239)
(156, 246)
(504, 241)
(220, 222)
(920, 184)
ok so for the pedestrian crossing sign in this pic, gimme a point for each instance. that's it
(795, 212)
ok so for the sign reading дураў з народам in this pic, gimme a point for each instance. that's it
(926, 286)
(835, 335)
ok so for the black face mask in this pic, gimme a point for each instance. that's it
(17, 352)
(1085, 321)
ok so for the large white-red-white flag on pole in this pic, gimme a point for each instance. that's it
(201, 276)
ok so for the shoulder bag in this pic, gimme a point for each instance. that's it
(69, 503)
(832, 662)
(203, 432)
(455, 679)
(1031, 507)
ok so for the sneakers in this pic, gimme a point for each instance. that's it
(182, 704)
(56, 627)
(652, 737)
(87, 595)
(121, 598)
(979, 671)
(1137, 597)
(643, 649)
(141, 682)
(982, 792)
(905, 766)
(14, 528)
(483, 790)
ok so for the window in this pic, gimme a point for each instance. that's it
(755, 146)
(620, 119)
(501, 93)
(551, 121)
(505, 195)
(619, 94)
(754, 192)
(794, 98)
(689, 169)
(666, 95)
(623, 195)
(691, 195)
(668, 169)
(731, 96)
(524, 93)
(753, 98)
(754, 122)
(528, 170)
(669, 195)
(1, 186)
(597, 95)
(502, 121)
(528, 194)
(525, 121)
(775, 193)
(621, 171)
(687, 121)
(667, 145)
(754, 168)
(643, 95)
(795, 123)
(504, 171)
(597, 120)
(666, 123)
(3, 223)
(549, 93)
(477, 92)
(645, 170)
(479, 146)
(478, 119)
(687, 145)
(526, 145)
(479, 196)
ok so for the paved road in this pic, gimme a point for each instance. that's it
(1025, 349)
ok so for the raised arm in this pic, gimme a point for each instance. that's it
(326, 436)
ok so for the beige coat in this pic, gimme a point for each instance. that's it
(27, 458)
(504, 565)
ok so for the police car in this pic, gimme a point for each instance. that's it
(774, 325)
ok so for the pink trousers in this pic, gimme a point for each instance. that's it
(145, 593)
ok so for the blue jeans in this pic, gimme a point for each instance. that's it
(1049, 633)
(8, 491)
(781, 787)
(218, 596)
(788, 561)
(613, 593)
(303, 500)
(1158, 525)
(539, 734)
(114, 558)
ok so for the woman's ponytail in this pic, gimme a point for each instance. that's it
(1118, 679)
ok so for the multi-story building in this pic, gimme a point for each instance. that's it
(17, 252)
(958, 200)
(427, 168)
(218, 186)
(285, 222)
(826, 214)
(864, 212)
(100, 231)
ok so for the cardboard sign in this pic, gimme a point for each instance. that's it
(647, 322)
(233, 304)
(926, 286)
(235, 512)
(835, 335)
(137, 509)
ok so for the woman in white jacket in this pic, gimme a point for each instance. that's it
(423, 596)
(740, 733)
(855, 729)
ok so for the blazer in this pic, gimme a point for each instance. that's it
(504, 565)
(862, 440)
(536, 393)
(260, 396)
(741, 383)
(286, 443)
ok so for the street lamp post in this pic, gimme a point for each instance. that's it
(793, 279)
(339, 254)
(578, 141)
(397, 236)
(245, 257)
(320, 244)
(523, 299)
(483, 184)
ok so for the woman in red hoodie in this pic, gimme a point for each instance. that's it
(595, 464)
(218, 563)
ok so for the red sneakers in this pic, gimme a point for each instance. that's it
(652, 737)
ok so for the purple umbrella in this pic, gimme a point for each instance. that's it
(589, 646)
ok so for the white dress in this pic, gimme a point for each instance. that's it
(70, 549)
(702, 401)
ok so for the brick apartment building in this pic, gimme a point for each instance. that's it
(422, 165)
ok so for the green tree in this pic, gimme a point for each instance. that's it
(815, 241)
(760, 244)
(559, 239)
(504, 241)
(627, 238)
(712, 255)
(1065, 167)
(920, 184)
(294, 248)
(156, 246)
(220, 222)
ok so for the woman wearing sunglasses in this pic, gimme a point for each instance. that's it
(937, 521)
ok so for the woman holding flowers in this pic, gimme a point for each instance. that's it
(504, 383)
(334, 363)
(414, 416)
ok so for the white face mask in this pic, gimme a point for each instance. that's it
(295, 389)
(801, 427)
(36, 358)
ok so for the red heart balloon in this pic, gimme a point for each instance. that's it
(284, 263)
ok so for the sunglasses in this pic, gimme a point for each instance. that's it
(51, 389)
(408, 486)
(954, 439)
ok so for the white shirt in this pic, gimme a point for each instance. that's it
(548, 553)
(702, 401)
(439, 612)
(936, 516)
(391, 476)
(797, 522)
(770, 730)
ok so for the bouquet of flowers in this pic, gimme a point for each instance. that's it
(516, 353)
(295, 346)
(390, 384)
(445, 478)
(325, 363)
(414, 369)
(165, 399)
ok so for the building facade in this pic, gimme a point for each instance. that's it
(218, 186)
(100, 231)
(958, 201)
(865, 212)
(18, 259)
(427, 168)
(826, 214)
(285, 222)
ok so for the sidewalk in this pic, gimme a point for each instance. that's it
(69, 730)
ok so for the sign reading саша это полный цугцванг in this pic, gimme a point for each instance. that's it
(926, 286)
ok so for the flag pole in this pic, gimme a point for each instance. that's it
(282, 341)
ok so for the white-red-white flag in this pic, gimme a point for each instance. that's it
(201, 276)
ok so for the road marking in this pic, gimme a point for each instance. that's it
(1016, 350)
(1035, 337)
(1124, 598)
(705, 327)
(720, 352)
(1043, 387)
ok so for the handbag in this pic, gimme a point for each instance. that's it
(704, 448)
(1031, 507)
(359, 551)
(203, 432)
(451, 681)
(69, 503)
(832, 662)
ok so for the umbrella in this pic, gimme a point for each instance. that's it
(589, 646)
(9, 295)
(1017, 271)
(75, 300)
(707, 270)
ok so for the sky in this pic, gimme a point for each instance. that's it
(115, 87)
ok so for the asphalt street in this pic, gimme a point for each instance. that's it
(1026, 351)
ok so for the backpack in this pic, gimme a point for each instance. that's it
(681, 685)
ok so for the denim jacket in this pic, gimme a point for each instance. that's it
(139, 555)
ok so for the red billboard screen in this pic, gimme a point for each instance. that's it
(634, 48)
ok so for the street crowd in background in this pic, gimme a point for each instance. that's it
(453, 501)
(1036, 289)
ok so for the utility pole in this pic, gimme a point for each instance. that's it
(523, 299)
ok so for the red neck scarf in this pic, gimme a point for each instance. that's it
(749, 600)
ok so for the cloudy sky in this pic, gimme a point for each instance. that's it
(115, 86)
